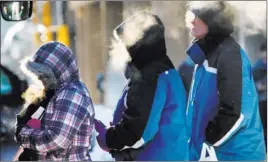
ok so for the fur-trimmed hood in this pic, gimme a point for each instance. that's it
(53, 63)
(218, 15)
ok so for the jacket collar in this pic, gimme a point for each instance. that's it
(196, 53)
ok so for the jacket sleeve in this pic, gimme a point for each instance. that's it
(229, 79)
(129, 131)
(70, 111)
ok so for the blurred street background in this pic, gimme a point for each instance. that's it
(87, 28)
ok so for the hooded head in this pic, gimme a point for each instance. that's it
(143, 37)
(219, 16)
(54, 64)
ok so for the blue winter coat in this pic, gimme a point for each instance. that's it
(164, 136)
(222, 111)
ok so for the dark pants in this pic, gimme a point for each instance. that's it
(28, 155)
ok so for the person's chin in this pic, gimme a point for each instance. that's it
(194, 34)
(197, 35)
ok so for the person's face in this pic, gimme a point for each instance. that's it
(48, 80)
(198, 28)
(45, 82)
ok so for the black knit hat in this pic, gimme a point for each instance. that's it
(218, 15)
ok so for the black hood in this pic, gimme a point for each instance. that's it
(143, 35)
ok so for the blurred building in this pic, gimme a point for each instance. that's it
(87, 26)
(94, 24)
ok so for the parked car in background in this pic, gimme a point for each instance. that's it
(12, 88)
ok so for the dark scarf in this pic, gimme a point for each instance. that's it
(211, 42)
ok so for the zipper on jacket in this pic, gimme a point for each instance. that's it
(189, 103)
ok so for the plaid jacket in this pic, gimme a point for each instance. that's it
(67, 123)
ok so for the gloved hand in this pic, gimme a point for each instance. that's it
(28, 155)
(20, 123)
(129, 154)
(101, 138)
(21, 120)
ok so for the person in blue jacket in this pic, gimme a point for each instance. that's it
(154, 101)
(222, 112)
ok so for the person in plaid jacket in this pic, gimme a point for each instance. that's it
(67, 123)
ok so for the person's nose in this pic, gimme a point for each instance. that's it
(193, 21)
